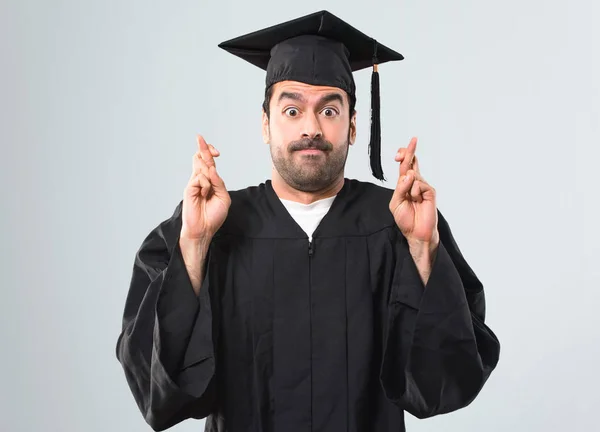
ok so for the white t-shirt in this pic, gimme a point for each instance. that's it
(308, 216)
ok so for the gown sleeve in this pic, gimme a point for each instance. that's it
(166, 345)
(438, 351)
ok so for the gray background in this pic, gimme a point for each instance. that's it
(100, 103)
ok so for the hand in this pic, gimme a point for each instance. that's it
(413, 203)
(205, 199)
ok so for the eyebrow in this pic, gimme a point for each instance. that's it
(330, 97)
(294, 96)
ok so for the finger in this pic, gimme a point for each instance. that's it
(415, 166)
(217, 183)
(202, 185)
(427, 191)
(403, 186)
(213, 151)
(199, 166)
(199, 185)
(419, 176)
(205, 151)
(400, 154)
(408, 156)
(415, 192)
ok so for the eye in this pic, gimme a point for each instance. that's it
(291, 112)
(330, 112)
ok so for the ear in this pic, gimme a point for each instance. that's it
(266, 133)
(353, 128)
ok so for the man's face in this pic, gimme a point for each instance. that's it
(309, 131)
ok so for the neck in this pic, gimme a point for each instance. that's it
(286, 192)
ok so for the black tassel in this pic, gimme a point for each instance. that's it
(375, 144)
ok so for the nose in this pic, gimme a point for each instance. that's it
(311, 128)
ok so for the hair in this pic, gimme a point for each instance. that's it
(269, 95)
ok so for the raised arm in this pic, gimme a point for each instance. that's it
(166, 345)
(438, 350)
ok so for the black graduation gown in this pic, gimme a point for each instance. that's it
(337, 335)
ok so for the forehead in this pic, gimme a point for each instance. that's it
(306, 90)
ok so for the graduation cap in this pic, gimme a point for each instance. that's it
(318, 49)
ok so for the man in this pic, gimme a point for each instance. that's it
(310, 302)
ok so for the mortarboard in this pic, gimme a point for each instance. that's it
(318, 49)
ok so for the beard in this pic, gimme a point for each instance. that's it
(310, 172)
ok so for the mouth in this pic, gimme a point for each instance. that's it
(311, 151)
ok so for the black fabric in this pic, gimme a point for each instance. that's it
(166, 344)
(312, 60)
(354, 50)
(337, 335)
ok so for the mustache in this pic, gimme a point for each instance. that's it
(311, 144)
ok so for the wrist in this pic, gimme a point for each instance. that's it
(424, 250)
(194, 251)
(424, 254)
(197, 244)
(425, 246)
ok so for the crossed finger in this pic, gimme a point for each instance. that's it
(412, 187)
(207, 152)
(408, 157)
(199, 166)
(415, 161)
